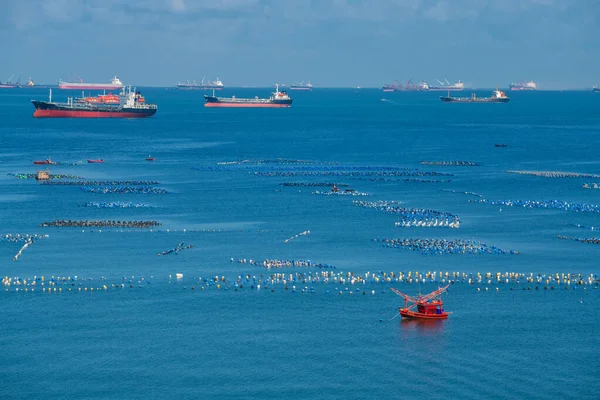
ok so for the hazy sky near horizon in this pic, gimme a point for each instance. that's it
(330, 42)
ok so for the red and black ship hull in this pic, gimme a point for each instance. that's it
(45, 109)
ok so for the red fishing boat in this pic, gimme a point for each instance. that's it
(98, 161)
(46, 161)
(427, 307)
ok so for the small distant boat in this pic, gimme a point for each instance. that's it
(498, 96)
(447, 86)
(46, 161)
(211, 85)
(301, 86)
(428, 307)
(97, 161)
(500, 145)
(150, 158)
(596, 89)
(409, 86)
(8, 84)
(531, 85)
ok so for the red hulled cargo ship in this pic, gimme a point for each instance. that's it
(277, 100)
(128, 104)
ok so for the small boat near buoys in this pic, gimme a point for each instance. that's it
(428, 307)
(97, 161)
(46, 161)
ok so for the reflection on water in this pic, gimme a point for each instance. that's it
(413, 327)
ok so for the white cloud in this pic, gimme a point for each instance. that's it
(177, 5)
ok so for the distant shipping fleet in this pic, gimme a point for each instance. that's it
(129, 102)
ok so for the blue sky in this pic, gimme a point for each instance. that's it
(330, 42)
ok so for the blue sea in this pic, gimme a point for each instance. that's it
(101, 313)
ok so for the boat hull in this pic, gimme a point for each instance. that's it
(89, 86)
(246, 105)
(53, 110)
(445, 89)
(212, 101)
(446, 99)
(199, 87)
(408, 314)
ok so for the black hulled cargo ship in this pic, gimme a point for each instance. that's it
(128, 104)
(277, 100)
(497, 96)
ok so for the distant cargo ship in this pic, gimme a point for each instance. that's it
(301, 86)
(214, 85)
(8, 84)
(523, 86)
(408, 87)
(129, 104)
(453, 87)
(277, 100)
(115, 84)
(497, 96)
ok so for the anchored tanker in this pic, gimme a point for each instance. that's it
(277, 100)
(453, 87)
(128, 104)
(115, 84)
(301, 86)
(408, 87)
(211, 85)
(498, 96)
(523, 86)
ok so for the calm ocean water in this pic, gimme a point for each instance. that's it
(167, 338)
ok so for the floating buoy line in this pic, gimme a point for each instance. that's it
(306, 232)
(444, 246)
(461, 192)
(101, 183)
(117, 204)
(554, 174)
(413, 217)
(591, 240)
(451, 163)
(546, 204)
(27, 240)
(50, 176)
(306, 281)
(591, 186)
(345, 192)
(100, 223)
(180, 247)
(124, 189)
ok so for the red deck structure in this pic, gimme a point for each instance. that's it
(428, 307)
